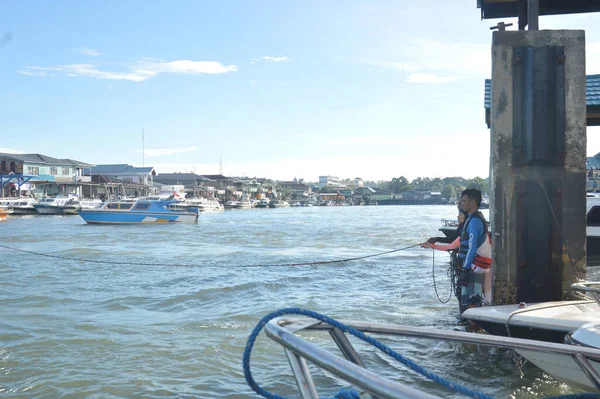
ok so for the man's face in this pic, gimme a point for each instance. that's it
(465, 203)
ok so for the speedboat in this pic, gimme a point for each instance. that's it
(244, 204)
(24, 206)
(232, 204)
(89, 203)
(263, 203)
(567, 368)
(279, 204)
(202, 204)
(547, 321)
(61, 205)
(142, 211)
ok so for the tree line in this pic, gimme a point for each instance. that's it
(450, 187)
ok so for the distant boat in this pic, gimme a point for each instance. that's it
(4, 214)
(61, 205)
(202, 204)
(142, 211)
(21, 206)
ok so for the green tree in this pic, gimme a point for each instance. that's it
(479, 184)
(399, 184)
(448, 192)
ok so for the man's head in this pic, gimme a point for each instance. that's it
(470, 199)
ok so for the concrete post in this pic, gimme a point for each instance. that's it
(538, 132)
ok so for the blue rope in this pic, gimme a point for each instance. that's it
(349, 330)
(348, 393)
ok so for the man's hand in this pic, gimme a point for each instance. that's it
(426, 244)
(432, 240)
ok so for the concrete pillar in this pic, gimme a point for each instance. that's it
(538, 132)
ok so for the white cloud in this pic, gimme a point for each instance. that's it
(429, 78)
(167, 151)
(10, 151)
(33, 72)
(138, 72)
(275, 59)
(440, 58)
(89, 51)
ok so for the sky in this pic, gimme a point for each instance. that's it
(278, 89)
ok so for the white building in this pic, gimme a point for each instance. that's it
(329, 181)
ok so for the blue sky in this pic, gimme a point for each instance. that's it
(280, 89)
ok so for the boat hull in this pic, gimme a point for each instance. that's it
(24, 211)
(548, 321)
(57, 210)
(100, 216)
(562, 367)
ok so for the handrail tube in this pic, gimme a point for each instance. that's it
(465, 337)
(304, 380)
(352, 373)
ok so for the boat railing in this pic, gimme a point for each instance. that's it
(450, 222)
(591, 288)
(352, 369)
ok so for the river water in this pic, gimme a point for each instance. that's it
(171, 313)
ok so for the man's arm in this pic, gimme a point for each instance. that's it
(474, 230)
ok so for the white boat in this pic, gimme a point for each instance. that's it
(202, 204)
(593, 229)
(23, 206)
(232, 204)
(547, 321)
(263, 203)
(564, 367)
(90, 203)
(279, 204)
(61, 205)
(567, 368)
(243, 205)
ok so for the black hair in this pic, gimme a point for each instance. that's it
(473, 194)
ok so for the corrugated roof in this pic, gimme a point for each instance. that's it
(593, 163)
(113, 168)
(44, 159)
(592, 91)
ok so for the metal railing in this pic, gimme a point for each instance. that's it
(351, 368)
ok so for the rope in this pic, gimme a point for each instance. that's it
(562, 237)
(435, 285)
(350, 330)
(349, 393)
(108, 262)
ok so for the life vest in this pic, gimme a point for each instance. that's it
(482, 263)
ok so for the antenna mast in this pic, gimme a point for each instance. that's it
(221, 166)
(143, 151)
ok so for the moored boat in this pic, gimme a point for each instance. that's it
(4, 214)
(62, 205)
(142, 211)
(202, 204)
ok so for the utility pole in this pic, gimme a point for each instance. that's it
(143, 150)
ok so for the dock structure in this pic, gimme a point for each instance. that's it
(538, 152)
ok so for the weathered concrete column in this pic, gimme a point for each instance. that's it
(538, 129)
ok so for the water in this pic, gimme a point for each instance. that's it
(171, 315)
